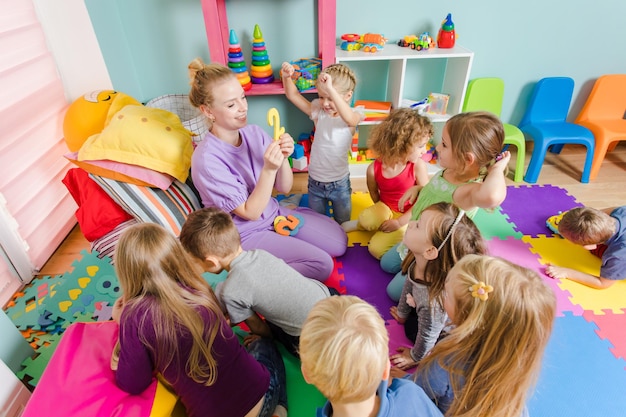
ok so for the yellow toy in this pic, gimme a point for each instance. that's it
(273, 119)
(89, 114)
(553, 222)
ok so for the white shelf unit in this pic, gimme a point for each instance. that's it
(434, 70)
(458, 64)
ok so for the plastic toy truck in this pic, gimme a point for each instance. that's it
(423, 41)
(369, 42)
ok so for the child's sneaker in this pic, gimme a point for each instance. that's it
(350, 225)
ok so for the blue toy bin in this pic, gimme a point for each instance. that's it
(307, 70)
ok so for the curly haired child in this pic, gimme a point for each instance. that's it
(398, 142)
(335, 123)
(603, 232)
(472, 174)
(441, 237)
(344, 350)
(486, 366)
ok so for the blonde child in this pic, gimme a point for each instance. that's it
(171, 324)
(258, 283)
(335, 123)
(441, 236)
(398, 142)
(604, 233)
(344, 352)
(236, 167)
(489, 362)
(472, 175)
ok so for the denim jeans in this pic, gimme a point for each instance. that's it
(265, 351)
(338, 193)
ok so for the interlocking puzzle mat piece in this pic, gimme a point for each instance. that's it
(360, 201)
(521, 253)
(579, 376)
(336, 278)
(363, 277)
(304, 399)
(558, 251)
(495, 224)
(92, 279)
(610, 327)
(33, 368)
(528, 207)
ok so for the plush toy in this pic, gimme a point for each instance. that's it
(89, 114)
(288, 226)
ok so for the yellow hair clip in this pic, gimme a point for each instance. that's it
(481, 290)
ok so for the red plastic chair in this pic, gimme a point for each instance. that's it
(604, 114)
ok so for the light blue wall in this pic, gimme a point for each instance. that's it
(147, 44)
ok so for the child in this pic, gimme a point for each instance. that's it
(335, 123)
(235, 168)
(591, 228)
(472, 175)
(399, 142)
(344, 351)
(171, 324)
(488, 363)
(257, 283)
(441, 236)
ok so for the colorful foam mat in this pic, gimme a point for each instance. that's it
(584, 368)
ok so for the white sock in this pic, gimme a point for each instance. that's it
(350, 225)
(292, 201)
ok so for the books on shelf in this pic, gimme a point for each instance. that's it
(373, 110)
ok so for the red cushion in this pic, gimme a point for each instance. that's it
(97, 213)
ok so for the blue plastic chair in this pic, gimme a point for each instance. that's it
(544, 122)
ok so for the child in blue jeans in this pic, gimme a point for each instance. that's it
(335, 123)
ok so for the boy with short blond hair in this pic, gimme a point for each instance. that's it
(604, 233)
(344, 350)
(258, 283)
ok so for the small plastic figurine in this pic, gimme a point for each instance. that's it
(446, 36)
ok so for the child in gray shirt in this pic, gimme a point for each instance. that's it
(261, 290)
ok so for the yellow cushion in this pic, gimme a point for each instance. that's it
(144, 136)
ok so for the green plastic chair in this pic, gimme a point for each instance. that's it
(487, 94)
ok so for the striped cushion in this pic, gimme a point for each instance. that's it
(169, 208)
(105, 246)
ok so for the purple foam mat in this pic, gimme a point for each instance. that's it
(363, 277)
(528, 207)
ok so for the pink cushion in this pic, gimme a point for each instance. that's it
(132, 174)
(78, 380)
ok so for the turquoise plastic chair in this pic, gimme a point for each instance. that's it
(544, 122)
(487, 94)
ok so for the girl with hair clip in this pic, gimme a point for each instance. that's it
(335, 123)
(399, 141)
(503, 315)
(171, 324)
(441, 236)
(472, 175)
(236, 168)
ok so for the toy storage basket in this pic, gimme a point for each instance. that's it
(191, 118)
(307, 70)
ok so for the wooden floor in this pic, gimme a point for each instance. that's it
(563, 170)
